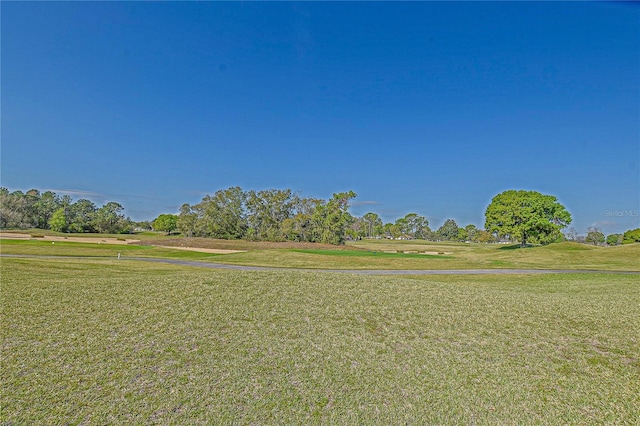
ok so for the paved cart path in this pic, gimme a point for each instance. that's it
(344, 271)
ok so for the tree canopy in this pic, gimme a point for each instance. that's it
(268, 215)
(165, 223)
(594, 236)
(413, 225)
(448, 231)
(331, 219)
(527, 216)
(283, 215)
(614, 239)
(631, 236)
(47, 210)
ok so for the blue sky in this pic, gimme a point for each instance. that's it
(426, 107)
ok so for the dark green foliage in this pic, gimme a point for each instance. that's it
(413, 226)
(81, 216)
(448, 231)
(372, 225)
(49, 211)
(614, 239)
(187, 220)
(527, 216)
(267, 211)
(165, 223)
(268, 215)
(631, 236)
(331, 219)
(222, 215)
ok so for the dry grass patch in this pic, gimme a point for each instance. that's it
(87, 341)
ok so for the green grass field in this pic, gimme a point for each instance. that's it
(71, 249)
(101, 341)
(368, 254)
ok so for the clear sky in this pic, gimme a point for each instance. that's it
(426, 107)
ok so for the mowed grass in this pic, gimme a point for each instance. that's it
(370, 254)
(366, 254)
(376, 254)
(88, 341)
(75, 249)
(565, 255)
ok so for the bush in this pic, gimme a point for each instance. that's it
(631, 236)
(614, 239)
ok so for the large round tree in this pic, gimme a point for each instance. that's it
(165, 223)
(526, 215)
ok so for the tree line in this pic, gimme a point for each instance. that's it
(596, 237)
(232, 213)
(268, 215)
(283, 215)
(47, 210)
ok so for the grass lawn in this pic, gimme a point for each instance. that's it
(91, 341)
(566, 255)
(73, 249)
(418, 254)
(366, 254)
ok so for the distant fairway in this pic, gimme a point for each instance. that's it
(366, 254)
(101, 342)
